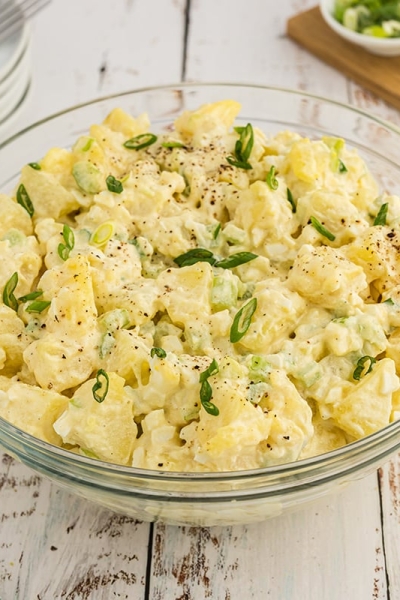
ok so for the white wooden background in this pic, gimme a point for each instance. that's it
(56, 546)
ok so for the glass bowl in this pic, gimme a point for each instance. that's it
(210, 498)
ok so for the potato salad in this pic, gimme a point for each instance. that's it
(211, 298)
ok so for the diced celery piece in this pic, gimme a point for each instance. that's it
(82, 236)
(76, 402)
(113, 320)
(88, 177)
(256, 391)
(224, 293)
(191, 415)
(230, 368)
(14, 236)
(165, 327)
(143, 246)
(197, 339)
(259, 368)
(234, 234)
(310, 374)
(33, 328)
(106, 345)
(83, 144)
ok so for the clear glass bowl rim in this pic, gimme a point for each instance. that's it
(308, 465)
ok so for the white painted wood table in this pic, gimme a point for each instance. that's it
(56, 546)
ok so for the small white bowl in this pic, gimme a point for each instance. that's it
(375, 45)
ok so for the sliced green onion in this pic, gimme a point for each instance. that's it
(102, 384)
(63, 252)
(194, 256)
(240, 258)
(242, 321)
(140, 141)
(388, 301)
(206, 389)
(172, 145)
(35, 165)
(69, 243)
(243, 148)
(8, 293)
(160, 352)
(186, 191)
(114, 185)
(321, 229)
(291, 201)
(246, 142)
(336, 146)
(103, 233)
(31, 296)
(88, 145)
(240, 164)
(271, 179)
(216, 231)
(38, 306)
(69, 237)
(24, 200)
(380, 218)
(211, 370)
(358, 371)
(205, 399)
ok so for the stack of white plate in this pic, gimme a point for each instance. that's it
(15, 74)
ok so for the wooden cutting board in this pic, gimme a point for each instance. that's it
(378, 74)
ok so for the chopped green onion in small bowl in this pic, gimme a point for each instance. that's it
(371, 24)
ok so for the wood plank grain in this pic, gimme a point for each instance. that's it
(329, 551)
(83, 50)
(379, 74)
(246, 42)
(371, 103)
(57, 546)
(389, 477)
